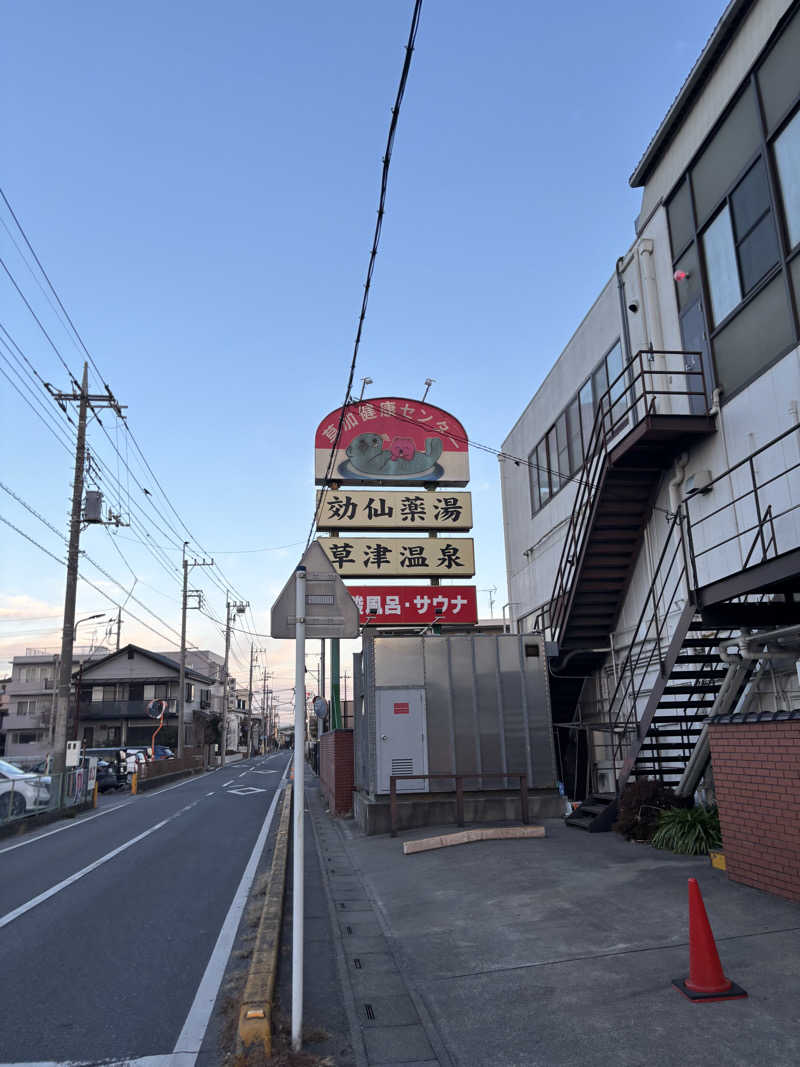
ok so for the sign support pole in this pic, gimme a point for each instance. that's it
(299, 806)
(336, 702)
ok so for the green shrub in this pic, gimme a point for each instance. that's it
(688, 831)
(640, 806)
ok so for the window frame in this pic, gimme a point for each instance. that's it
(786, 253)
(556, 478)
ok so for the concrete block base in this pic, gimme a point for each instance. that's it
(371, 812)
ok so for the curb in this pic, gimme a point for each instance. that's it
(463, 837)
(255, 1013)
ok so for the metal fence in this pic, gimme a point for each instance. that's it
(29, 794)
(160, 767)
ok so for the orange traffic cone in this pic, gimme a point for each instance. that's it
(706, 980)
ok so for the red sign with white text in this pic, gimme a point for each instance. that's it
(391, 440)
(408, 605)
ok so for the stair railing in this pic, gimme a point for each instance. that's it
(630, 398)
(763, 497)
(651, 636)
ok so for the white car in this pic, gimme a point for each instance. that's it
(21, 792)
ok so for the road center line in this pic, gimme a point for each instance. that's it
(68, 826)
(225, 784)
(211, 794)
(190, 1039)
(10, 916)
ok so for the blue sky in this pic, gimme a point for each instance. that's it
(200, 181)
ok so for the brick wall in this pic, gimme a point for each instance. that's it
(757, 783)
(336, 770)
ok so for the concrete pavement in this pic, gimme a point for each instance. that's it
(108, 923)
(558, 951)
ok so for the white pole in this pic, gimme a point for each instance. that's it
(299, 805)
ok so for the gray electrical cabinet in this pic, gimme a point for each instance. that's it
(467, 704)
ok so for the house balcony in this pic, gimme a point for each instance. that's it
(25, 722)
(119, 709)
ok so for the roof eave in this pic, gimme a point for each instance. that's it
(716, 45)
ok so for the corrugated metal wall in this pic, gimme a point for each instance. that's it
(487, 700)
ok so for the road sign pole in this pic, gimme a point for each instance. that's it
(299, 806)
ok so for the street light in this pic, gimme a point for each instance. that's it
(88, 618)
(102, 615)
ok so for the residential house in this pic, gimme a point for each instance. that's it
(27, 727)
(115, 692)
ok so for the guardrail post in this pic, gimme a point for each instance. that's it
(134, 783)
(393, 804)
(459, 800)
(523, 797)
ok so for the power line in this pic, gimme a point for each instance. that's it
(387, 158)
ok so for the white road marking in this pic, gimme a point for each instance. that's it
(191, 1036)
(51, 892)
(69, 826)
(107, 811)
(274, 771)
(243, 774)
(245, 791)
(226, 784)
(211, 794)
(15, 914)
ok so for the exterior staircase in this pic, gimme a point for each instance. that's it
(637, 431)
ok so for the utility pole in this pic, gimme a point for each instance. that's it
(238, 608)
(119, 624)
(336, 703)
(198, 594)
(264, 707)
(84, 400)
(250, 706)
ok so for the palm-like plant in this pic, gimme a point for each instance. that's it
(688, 831)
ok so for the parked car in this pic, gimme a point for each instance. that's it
(21, 791)
(162, 752)
(135, 758)
(108, 778)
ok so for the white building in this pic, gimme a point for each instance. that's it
(668, 484)
(28, 725)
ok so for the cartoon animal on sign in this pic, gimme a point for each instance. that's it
(368, 453)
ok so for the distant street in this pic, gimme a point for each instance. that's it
(108, 923)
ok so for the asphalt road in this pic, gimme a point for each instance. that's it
(115, 928)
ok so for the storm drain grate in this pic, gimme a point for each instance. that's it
(370, 1012)
(357, 963)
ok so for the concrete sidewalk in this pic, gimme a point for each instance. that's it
(557, 951)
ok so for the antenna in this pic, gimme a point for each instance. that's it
(428, 383)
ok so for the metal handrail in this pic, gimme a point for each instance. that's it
(766, 514)
(606, 426)
(459, 780)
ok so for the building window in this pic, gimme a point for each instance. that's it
(723, 279)
(27, 738)
(24, 707)
(561, 452)
(189, 697)
(727, 211)
(787, 161)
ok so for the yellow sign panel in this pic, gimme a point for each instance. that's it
(382, 509)
(401, 557)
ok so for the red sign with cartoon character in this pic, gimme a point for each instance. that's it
(392, 441)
